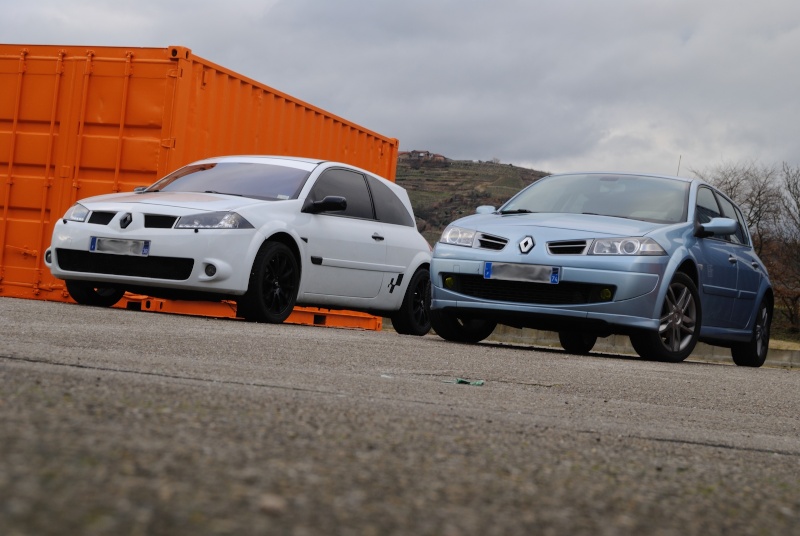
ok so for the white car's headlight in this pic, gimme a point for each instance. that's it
(213, 220)
(457, 236)
(626, 246)
(77, 212)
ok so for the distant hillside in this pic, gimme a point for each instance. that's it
(442, 190)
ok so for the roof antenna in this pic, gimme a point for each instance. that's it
(679, 165)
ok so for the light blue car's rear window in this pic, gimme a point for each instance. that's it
(635, 197)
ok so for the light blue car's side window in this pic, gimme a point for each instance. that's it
(729, 211)
(707, 207)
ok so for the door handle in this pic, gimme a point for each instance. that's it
(755, 266)
(732, 259)
(377, 237)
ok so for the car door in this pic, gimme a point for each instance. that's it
(718, 266)
(346, 248)
(400, 230)
(749, 272)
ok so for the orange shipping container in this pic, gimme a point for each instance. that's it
(80, 121)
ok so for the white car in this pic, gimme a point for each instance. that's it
(267, 232)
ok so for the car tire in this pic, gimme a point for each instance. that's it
(577, 342)
(87, 293)
(414, 315)
(451, 328)
(274, 283)
(754, 352)
(679, 324)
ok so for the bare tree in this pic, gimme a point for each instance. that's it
(786, 251)
(756, 189)
(791, 201)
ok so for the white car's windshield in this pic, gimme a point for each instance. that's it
(635, 197)
(261, 181)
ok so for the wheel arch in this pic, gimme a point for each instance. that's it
(289, 241)
(689, 268)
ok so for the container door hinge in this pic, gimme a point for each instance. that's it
(169, 143)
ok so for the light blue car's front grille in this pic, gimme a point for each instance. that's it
(568, 247)
(487, 241)
(564, 293)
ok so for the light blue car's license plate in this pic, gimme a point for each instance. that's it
(118, 246)
(531, 273)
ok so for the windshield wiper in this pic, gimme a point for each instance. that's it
(517, 211)
(222, 193)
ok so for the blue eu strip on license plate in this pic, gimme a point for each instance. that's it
(554, 276)
(487, 270)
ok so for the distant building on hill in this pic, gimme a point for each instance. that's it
(418, 159)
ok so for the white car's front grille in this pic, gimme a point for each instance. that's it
(151, 221)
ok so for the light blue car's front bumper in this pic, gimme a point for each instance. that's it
(635, 305)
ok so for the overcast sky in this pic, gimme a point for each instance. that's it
(555, 85)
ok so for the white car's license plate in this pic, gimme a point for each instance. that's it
(531, 273)
(118, 246)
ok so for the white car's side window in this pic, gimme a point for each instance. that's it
(351, 186)
(388, 207)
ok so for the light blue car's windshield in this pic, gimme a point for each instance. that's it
(653, 199)
(262, 181)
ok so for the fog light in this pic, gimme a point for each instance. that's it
(449, 282)
(211, 270)
(48, 256)
(605, 294)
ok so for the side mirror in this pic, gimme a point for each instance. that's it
(329, 204)
(485, 209)
(717, 226)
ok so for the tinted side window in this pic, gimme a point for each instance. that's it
(707, 206)
(729, 211)
(349, 185)
(388, 208)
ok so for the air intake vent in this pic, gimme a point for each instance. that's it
(156, 221)
(486, 241)
(568, 247)
(101, 218)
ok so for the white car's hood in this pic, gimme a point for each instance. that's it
(196, 201)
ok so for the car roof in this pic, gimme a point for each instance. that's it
(627, 173)
(295, 161)
(264, 159)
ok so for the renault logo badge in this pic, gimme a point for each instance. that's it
(526, 244)
(126, 220)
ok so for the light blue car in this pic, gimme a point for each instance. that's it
(667, 261)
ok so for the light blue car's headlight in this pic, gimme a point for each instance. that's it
(213, 220)
(77, 212)
(626, 246)
(457, 236)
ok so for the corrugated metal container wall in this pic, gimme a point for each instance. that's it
(81, 121)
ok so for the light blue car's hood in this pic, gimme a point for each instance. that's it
(586, 225)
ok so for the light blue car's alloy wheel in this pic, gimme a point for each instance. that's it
(577, 342)
(679, 325)
(754, 352)
(452, 328)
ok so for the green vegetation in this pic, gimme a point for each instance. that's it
(443, 191)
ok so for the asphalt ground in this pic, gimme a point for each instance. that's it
(116, 422)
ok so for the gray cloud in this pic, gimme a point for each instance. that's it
(619, 84)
